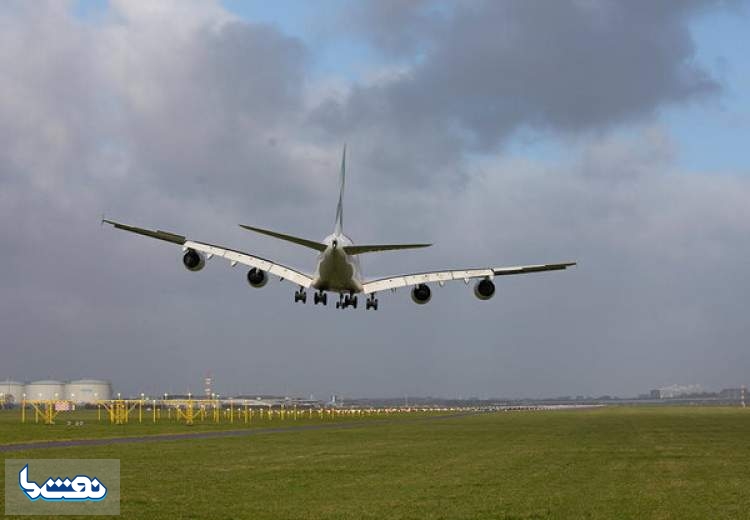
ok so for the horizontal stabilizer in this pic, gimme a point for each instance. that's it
(289, 238)
(357, 250)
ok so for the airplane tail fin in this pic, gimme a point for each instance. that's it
(339, 229)
(289, 238)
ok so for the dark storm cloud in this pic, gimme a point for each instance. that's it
(485, 69)
(179, 117)
(217, 103)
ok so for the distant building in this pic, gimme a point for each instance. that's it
(655, 394)
(672, 391)
(88, 391)
(79, 391)
(11, 392)
(732, 394)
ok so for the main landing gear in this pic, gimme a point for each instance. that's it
(349, 300)
(320, 297)
(345, 300)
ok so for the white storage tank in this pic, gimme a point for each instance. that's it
(11, 392)
(86, 391)
(46, 390)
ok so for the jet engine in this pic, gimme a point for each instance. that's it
(484, 289)
(421, 294)
(193, 260)
(257, 277)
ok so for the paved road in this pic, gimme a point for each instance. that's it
(210, 434)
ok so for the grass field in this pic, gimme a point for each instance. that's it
(666, 463)
(11, 431)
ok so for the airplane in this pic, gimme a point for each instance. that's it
(338, 269)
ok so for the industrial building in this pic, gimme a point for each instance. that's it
(79, 391)
(11, 392)
(83, 391)
(45, 390)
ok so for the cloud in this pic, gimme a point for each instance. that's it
(481, 71)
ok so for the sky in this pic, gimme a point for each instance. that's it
(610, 133)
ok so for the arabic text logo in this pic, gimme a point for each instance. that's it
(78, 489)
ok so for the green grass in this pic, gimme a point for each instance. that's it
(65, 428)
(665, 463)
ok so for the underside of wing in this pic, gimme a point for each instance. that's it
(235, 257)
(239, 257)
(409, 280)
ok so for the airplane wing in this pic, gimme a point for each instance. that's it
(235, 257)
(465, 275)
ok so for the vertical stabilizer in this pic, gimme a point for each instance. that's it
(339, 229)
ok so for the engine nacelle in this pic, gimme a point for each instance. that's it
(421, 294)
(484, 289)
(257, 278)
(193, 260)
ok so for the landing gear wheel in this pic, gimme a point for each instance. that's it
(300, 296)
(320, 297)
(353, 301)
(371, 303)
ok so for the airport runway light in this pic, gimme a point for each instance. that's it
(118, 395)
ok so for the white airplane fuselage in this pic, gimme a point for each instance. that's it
(336, 271)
